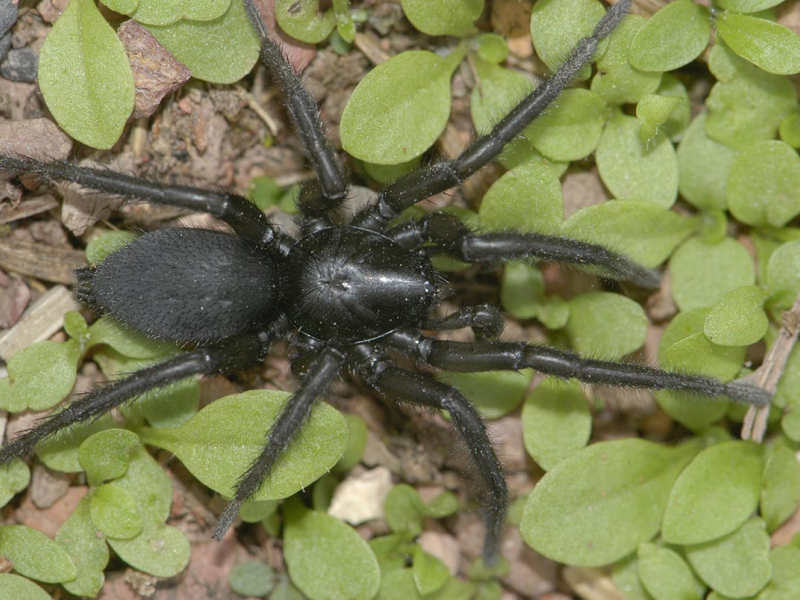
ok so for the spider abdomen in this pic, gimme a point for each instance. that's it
(187, 285)
(351, 285)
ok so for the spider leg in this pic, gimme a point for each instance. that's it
(452, 236)
(423, 183)
(322, 371)
(315, 200)
(234, 353)
(242, 215)
(422, 390)
(513, 356)
(486, 320)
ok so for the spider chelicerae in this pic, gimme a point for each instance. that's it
(352, 296)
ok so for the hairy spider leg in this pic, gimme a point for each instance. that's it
(513, 356)
(235, 353)
(330, 188)
(237, 211)
(396, 384)
(315, 382)
(486, 321)
(454, 238)
(423, 183)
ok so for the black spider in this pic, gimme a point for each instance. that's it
(354, 294)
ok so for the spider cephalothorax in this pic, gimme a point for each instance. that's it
(350, 296)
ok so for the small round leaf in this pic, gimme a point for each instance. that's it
(673, 37)
(665, 575)
(114, 512)
(783, 274)
(252, 579)
(703, 273)
(738, 319)
(780, 493)
(494, 393)
(556, 422)
(631, 170)
(221, 441)
(88, 549)
(328, 560)
(770, 46)
(736, 565)
(304, 21)
(400, 108)
(35, 555)
(444, 17)
(715, 494)
(14, 587)
(598, 505)
(606, 325)
(764, 184)
(164, 12)
(105, 455)
(90, 93)
(158, 550)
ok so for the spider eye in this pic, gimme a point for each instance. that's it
(200, 281)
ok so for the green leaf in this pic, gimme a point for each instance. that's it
(704, 165)
(746, 105)
(783, 274)
(107, 243)
(444, 17)
(252, 578)
(164, 12)
(400, 108)
(14, 477)
(123, 7)
(221, 441)
(527, 199)
(403, 510)
(430, 573)
(491, 47)
(40, 376)
(625, 575)
(327, 560)
(35, 555)
(60, 452)
(197, 45)
(159, 550)
(703, 273)
(105, 455)
(253, 511)
(355, 447)
(126, 341)
(747, 6)
(114, 512)
(665, 575)
(678, 120)
(303, 20)
(788, 395)
(640, 230)
(780, 492)
(570, 128)
(523, 296)
(785, 584)
(85, 76)
(770, 46)
(736, 565)
(653, 111)
(494, 393)
(88, 549)
(789, 130)
(631, 171)
(147, 482)
(617, 81)
(556, 422)
(597, 506)
(606, 325)
(764, 184)
(558, 25)
(715, 494)
(14, 587)
(738, 319)
(672, 37)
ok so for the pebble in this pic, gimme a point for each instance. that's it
(5, 44)
(20, 65)
(8, 16)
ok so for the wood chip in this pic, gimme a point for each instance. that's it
(28, 208)
(40, 322)
(49, 263)
(156, 72)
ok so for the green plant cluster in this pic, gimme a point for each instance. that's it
(690, 520)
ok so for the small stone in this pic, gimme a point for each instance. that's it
(5, 44)
(20, 65)
(360, 498)
(444, 547)
(8, 16)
